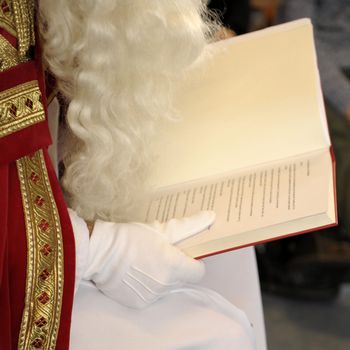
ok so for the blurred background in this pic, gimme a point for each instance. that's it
(305, 280)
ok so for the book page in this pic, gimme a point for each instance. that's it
(235, 107)
(249, 199)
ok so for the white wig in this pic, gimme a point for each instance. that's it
(116, 62)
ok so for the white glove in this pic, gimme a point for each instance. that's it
(135, 264)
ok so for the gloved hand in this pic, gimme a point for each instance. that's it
(135, 264)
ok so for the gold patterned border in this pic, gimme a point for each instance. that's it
(7, 20)
(8, 55)
(23, 13)
(20, 107)
(44, 284)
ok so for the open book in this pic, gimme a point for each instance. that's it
(252, 143)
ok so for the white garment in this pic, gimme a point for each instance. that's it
(195, 318)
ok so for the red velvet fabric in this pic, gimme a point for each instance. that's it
(13, 245)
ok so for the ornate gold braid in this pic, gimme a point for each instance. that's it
(8, 55)
(44, 285)
(17, 17)
(24, 12)
(7, 20)
(20, 107)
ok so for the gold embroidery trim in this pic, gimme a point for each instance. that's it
(8, 55)
(7, 20)
(17, 17)
(20, 107)
(23, 12)
(44, 284)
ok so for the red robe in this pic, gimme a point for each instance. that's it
(37, 254)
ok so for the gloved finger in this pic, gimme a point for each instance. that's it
(189, 270)
(178, 229)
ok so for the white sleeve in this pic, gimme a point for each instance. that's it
(82, 241)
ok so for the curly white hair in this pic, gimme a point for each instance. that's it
(116, 61)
